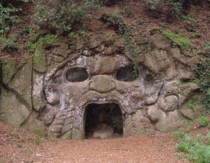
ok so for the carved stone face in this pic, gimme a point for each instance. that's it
(97, 79)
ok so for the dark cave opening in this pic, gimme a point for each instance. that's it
(108, 114)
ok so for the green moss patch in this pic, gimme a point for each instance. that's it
(177, 39)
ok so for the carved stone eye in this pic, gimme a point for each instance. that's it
(127, 73)
(76, 74)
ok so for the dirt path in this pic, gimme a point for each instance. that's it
(145, 149)
(20, 146)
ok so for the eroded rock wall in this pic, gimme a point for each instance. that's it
(51, 93)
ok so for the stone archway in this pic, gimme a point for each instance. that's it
(105, 118)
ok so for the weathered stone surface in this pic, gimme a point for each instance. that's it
(172, 121)
(13, 111)
(55, 129)
(157, 61)
(61, 49)
(175, 52)
(94, 43)
(39, 60)
(35, 125)
(107, 65)
(9, 69)
(160, 41)
(187, 112)
(67, 135)
(108, 51)
(171, 72)
(58, 59)
(50, 115)
(102, 84)
(168, 103)
(186, 90)
(155, 113)
(86, 52)
(137, 122)
(21, 83)
(184, 74)
(77, 134)
(37, 92)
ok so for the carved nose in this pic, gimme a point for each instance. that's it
(102, 84)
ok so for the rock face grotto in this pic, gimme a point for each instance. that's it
(69, 91)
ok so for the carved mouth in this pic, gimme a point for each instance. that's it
(98, 114)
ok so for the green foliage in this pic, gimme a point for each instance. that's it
(202, 75)
(42, 41)
(194, 102)
(11, 45)
(40, 133)
(197, 149)
(115, 21)
(153, 4)
(181, 41)
(26, 31)
(178, 135)
(7, 18)
(188, 19)
(62, 14)
(203, 121)
(207, 46)
(175, 7)
(38, 47)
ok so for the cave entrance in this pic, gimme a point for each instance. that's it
(99, 115)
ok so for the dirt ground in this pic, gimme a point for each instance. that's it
(18, 145)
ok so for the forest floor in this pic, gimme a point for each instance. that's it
(20, 146)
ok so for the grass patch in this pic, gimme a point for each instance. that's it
(141, 132)
(196, 148)
(178, 135)
(40, 133)
(177, 39)
(203, 121)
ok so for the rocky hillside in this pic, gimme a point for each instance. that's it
(150, 58)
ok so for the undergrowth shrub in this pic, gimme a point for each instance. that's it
(42, 41)
(197, 148)
(173, 7)
(202, 74)
(62, 15)
(7, 18)
(203, 121)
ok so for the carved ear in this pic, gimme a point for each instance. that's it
(52, 95)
